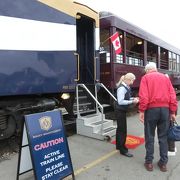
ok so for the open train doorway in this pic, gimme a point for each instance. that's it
(85, 49)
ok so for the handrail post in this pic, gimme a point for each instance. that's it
(96, 98)
(102, 125)
(77, 101)
(102, 85)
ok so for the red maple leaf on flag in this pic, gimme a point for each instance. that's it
(116, 43)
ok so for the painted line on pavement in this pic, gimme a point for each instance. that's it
(102, 158)
(94, 163)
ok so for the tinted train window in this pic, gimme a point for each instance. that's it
(173, 62)
(178, 63)
(135, 50)
(164, 59)
(104, 46)
(152, 51)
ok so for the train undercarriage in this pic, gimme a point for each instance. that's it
(12, 112)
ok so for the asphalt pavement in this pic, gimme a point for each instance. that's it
(99, 160)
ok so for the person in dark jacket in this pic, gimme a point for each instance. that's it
(157, 102)
(171, 144)
(124, 100)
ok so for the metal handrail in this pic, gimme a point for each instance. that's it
(77, 79)
(102, 85)
(94, 98)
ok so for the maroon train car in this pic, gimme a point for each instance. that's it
(138, 48)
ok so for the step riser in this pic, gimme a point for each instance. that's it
(84, 130)
(110, 133)
(105, 125)
(86, 122)
(88, 133)
(95, 128)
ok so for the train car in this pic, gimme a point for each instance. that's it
(138, 48)
(46, 48)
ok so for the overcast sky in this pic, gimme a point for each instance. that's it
(158, 17)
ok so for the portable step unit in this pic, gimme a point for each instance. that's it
(94, 125)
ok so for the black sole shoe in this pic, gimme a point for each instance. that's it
(127, 154)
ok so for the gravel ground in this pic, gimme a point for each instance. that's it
(8, 147)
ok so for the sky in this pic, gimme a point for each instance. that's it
(158, 17)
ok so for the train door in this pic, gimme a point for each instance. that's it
(85, 49)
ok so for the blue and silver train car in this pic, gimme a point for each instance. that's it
(46, 47)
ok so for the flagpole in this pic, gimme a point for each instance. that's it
(115, 41)
(105, 40)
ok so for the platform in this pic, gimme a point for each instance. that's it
(98, 160)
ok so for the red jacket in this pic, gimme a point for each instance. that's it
(156, 90)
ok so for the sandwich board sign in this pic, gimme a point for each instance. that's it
(48, 146)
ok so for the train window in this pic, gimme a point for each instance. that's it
(174, 62)
(174, 65)
(135, 50)
(164, 59)
(177, 67)
(119, 58)
(104, 57)
(152, 51)
(170, 60)
(104, 46)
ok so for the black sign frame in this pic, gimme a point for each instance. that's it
(64, 144)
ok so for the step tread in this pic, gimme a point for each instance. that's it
(99, 122)
(109, 129)
(81, 97)
(83, 111)
(91, 115)
(83, 104)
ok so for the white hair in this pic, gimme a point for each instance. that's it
(150, 66)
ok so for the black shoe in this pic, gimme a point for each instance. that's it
(126, 154)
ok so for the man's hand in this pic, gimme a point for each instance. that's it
(141, 117)
(173, 117)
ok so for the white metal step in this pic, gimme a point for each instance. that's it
(97, 126)
(92, 126)
(91, 118)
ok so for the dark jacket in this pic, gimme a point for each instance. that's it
(127, 97)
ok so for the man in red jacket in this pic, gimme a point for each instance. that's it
(157, 102)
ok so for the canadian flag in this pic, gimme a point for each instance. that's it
(116, 43)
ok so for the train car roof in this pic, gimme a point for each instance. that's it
(72, 8)
(109, 19)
